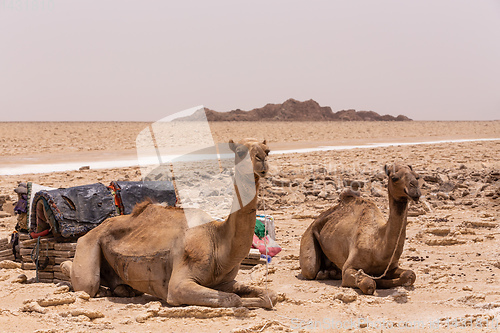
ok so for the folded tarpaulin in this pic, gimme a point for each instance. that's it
(72, 212)
(128, 194)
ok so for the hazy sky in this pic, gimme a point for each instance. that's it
(143, 60)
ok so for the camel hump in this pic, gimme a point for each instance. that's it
(348, 194)
(141, 206)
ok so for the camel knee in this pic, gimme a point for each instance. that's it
(407, 278)
(66, 268)
(309, 272)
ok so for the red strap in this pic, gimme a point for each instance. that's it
(40, 234)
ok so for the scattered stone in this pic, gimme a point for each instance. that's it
(467, 288)
(431, 178)
(480, 224)
(82, 295)
(9, 264)
(347, 295)
(85, 167)
(471, 299)
(439, 231)
(90, 314)
(444, 241)
(61, 290)
(33, 307)
(57, 300)
(143, 317)
(447, 187)
(202, 312)
(281, 182)
(20, 279)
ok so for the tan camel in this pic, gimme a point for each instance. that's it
(352, 240)
(154, 251)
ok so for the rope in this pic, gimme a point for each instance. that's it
(36, 253)
(360, 272)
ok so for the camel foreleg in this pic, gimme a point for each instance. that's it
(251, 297)
(355, 278)
(188, 292)
(397, 277)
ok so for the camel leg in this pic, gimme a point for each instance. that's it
(397, 277)
(351, 278)
(251, 297)
(85, 270)
(310, 255)
(188, 292)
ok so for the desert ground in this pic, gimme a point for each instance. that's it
(452, 241)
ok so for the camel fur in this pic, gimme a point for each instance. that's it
(154, 251)
(352, 240)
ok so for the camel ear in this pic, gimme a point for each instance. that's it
(387, 169)
(232, 145)
(409, 166)
(264, 142)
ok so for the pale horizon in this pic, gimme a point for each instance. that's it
(130, 61)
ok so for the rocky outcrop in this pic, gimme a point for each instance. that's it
(293, 110)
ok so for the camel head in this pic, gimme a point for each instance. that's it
(403, 182)
(257, 151)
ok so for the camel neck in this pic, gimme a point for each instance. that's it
(396, 224)
(240, 225)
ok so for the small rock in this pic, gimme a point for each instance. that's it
(8, 264)
(467, 288)
(82, 295)
(61, 290)
(347, 296)
(32, 307)
(20, 279)
(85, 167)
(141, 318)
(57, 300)
(91, 314)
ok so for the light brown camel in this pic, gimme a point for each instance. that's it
(154, 251)
(353, 240)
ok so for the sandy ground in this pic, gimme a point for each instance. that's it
(452, 236)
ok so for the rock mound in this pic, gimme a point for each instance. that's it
(293, 110)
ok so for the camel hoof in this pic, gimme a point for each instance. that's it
(124, 290)
(103, 292)
(408, 278)
(367, 286)
(270, 298)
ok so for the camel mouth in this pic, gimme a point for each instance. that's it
(415, 197)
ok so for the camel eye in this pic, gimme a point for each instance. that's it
(394, 179)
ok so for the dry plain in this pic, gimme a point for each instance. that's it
(452, 236)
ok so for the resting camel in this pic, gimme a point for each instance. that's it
(154, 251)
(354, 242)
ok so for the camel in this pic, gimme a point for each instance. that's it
(352, 241)
(154, 251)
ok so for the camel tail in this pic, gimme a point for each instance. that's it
(141, 206)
